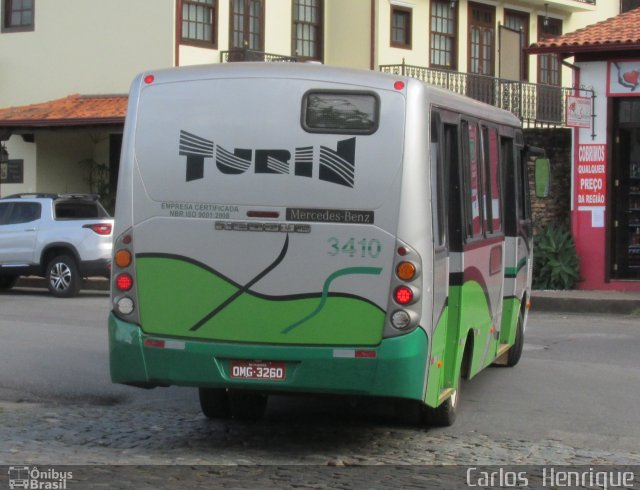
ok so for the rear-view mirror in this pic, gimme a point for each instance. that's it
(542, 177)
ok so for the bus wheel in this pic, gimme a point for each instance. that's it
(247, 405)
(444, 415)
(214, 403)
(515, 353)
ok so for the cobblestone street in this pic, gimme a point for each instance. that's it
(573, 400)
(65, 434)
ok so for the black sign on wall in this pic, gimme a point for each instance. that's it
(12, 172)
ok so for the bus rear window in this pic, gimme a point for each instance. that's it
(340, 112)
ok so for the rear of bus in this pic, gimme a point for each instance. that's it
(256, 234)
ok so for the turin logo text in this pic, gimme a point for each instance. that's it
(335, 166)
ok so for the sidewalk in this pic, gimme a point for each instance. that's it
(575, 301)
(580, 301)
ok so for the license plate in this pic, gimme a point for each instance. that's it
(265, 370)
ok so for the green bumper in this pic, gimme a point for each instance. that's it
(397, 370)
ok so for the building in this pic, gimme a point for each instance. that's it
(605, 197)
(67, 64)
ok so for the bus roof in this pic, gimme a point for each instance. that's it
(334, 74)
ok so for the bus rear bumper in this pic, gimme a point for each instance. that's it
(394, 368)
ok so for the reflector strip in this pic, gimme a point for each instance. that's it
(368, 354)
(344, 353)
(174, 344)
(154, 343)
(353, 354)
(165, 344)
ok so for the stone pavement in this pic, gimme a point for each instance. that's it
(77, 434)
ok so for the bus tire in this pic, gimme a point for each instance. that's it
(214, 403)
(515, 352)
(444, 415)
(247, 405)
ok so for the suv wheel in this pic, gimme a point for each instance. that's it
(7, 282)
(63, 278)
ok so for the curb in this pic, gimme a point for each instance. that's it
(572, 302)
(571, 305)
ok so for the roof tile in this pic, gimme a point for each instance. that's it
(620, 31)
(73, 110)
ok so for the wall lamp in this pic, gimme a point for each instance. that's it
(4, 154)
(546, 14)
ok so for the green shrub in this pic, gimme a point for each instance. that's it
(555, 264)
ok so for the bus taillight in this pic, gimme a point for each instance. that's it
(124, 282)
(406, 271)
(122, 258)
(403, 295)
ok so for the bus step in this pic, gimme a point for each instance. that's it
(502, 348)
(501, 355)
(444, 394)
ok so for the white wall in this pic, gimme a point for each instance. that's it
(18, 149)
(348, 33)
(58, 163)
(85, 46)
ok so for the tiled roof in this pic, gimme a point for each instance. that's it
(74, 110)
(618, 33)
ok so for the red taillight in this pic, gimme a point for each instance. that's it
(149, 79)
(124, 282)
(99, 228)
(399, 85)
(403, 295)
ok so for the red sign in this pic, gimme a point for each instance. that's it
(591, 178)
(578, 111)
(623, 78)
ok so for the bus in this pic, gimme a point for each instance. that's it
(299, 228)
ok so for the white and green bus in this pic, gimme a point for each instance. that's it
(297, 228)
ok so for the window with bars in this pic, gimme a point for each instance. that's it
(307, 29)
(18, 15)
(443, 35)
(549, 64)
(400, 27)
(199, 22)
(519, 21)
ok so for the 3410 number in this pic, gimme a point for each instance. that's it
(364, 247)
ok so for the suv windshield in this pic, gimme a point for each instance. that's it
(80, 210)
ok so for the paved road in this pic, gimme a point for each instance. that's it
(573, 399)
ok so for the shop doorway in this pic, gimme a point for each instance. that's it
(625, 263)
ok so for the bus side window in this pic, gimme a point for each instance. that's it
(437, 181)
(455, 198)
(493, 201)
(524, 207)
(472, 179)
(509, 185)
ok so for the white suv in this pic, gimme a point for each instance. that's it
(63, 238)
